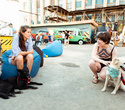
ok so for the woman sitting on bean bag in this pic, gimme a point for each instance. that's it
(22, 49)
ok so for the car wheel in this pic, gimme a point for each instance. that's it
(80, 42)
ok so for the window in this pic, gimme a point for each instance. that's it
(111, 1)
(98, 17)
(38, 11)
(52, 2)
(121, 2)
(120, 18)
(89, 2)
(99, 1)
(61, 3)
(46, 13)
(88, 16)
(32, 10)
(46, 3)
(110, 18)
(46, 16)
(76, 33)
(78, 18)
(78, 4)
(24, 6)
(69, 18)
(69, 5)
(79, 33)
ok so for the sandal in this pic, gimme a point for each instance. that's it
(95, 80)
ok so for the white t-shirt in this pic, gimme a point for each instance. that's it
(63, 35)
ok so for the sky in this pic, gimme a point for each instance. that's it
(9, 12)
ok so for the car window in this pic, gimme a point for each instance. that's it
(79, 33)
(75, 33)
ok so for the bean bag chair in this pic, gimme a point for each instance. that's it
(53, 49)
(9, 70)
(39, 51)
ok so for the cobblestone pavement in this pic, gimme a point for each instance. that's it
(67, 85)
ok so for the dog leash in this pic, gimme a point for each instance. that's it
(27, 81)
(24, 80)
(122, 78)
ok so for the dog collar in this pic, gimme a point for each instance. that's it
(27, 81)
(113, 72)
(17, 80)
(24, 80)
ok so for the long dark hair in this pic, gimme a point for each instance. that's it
(21, 39)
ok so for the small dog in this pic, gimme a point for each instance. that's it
(21, 82)
(114, 74)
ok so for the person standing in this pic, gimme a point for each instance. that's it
(66, 38)
(49, 37)
(22, 49)
(46, 39)
(12, 31)
(41, 34)
(63, 36)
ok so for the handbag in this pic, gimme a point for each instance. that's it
(39, 51)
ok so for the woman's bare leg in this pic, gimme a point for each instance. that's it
(29, 59)
(102, 73)
(95, 67)
(18, 61)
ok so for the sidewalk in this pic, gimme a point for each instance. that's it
(67, 85)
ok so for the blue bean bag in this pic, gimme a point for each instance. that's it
(53, 49)
(9, 70)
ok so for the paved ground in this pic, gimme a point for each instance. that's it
(67, 85)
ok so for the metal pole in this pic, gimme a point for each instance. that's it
(123, 18)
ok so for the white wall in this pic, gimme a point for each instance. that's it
(9, 12)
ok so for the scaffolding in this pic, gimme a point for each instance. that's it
(59, 14)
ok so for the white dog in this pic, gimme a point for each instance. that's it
(114, 74)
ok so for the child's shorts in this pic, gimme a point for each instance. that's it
(66, 40)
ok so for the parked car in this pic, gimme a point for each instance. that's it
(75, 35)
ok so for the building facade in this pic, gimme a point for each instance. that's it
(33, 12)
(9, 13)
